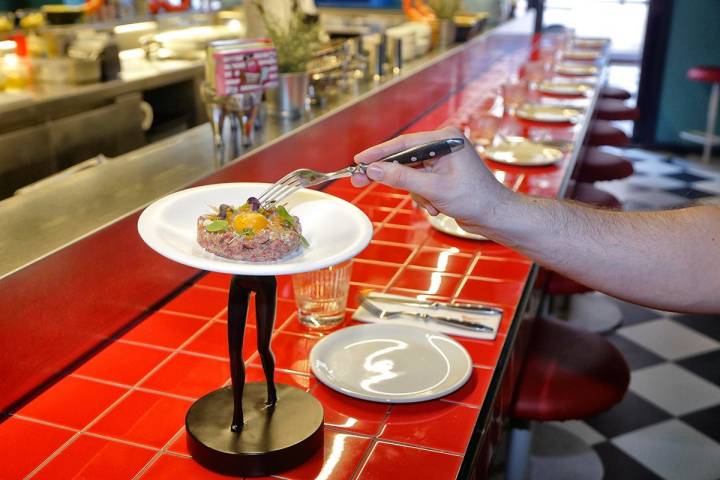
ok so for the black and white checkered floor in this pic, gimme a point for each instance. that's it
(668, 425)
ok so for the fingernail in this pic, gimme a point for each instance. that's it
(374, 172)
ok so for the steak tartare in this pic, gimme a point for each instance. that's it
(250, 232)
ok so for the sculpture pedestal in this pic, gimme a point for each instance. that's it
(253, 429)
(273, 438)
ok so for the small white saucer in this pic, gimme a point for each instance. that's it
(576, 69)
(391, 363)
(523, 153)
(448, 225)
(538, 112)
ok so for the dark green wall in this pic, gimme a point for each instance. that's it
(694, 40)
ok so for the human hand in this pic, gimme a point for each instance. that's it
(458, 185)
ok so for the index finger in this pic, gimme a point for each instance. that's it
(404, 142)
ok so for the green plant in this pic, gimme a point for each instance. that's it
(445, 9)
(295, 41)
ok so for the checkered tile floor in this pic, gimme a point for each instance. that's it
(668, 425)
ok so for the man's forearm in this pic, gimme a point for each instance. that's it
(667, 260)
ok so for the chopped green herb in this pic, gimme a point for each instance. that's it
(218, 226)
(282, 211)
(248, 232)
(304, 241)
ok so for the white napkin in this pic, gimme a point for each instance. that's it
(492, 321)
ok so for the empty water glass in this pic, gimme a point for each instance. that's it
(482, 128)
(321, 295)
(514, 93)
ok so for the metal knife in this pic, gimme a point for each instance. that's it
(463, 307)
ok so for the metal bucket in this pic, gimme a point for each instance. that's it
(290, 97)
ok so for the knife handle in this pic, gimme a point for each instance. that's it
(478, 327)
(426, 151)
(473, 308)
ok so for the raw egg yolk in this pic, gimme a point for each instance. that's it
(251, 220)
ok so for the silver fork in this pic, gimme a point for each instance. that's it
(306, 177)
(456, 322)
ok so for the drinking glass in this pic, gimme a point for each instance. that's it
(482, 128)
(321, 295)
(514, 93)
(536, 72)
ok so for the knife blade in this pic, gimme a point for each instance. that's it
(463, 307)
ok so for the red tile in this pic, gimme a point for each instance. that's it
(339, 459)
(164, 329)
(389, 461)
(501, 269)
(214, 341)
(347, 194)
(388, 200)
(409, 218)
(350, 414)
(355, 291)
(497, 292)
(380, 188)
(386, 253)
(26, 444)
(376, 214)
(428, 424)
(198, 301)
(170, 467)
(474, 391)
(72, 401)
(291, 352)
(217, 280)
(430, 283)
(302, 382)
(285, 287)
(373, 273)
(144, 418)
(418, 295)
(180, 445)
(483, 352)
(189, 375)
(406, 235)
(93, 458)
(136, 362)
(442, 260)
(440, 240)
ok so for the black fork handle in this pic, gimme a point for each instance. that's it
(426, 151)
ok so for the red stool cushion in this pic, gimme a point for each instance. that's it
(710, 74)
(611, 109)
(615, 92)
(568, 374)
(587, 193)
(599, 166)
(602, 132)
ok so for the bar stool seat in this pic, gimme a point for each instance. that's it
(602, 132)
(599, 166)
(568, 374)
(614, 92)
(705, 73)
(612, 109)
(711, 75)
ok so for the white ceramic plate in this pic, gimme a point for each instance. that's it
(523, 153)
(538, 112)
(335, 229)
(448, 225)
(390, 363)
(582, 54)
(576, 69)
(570, 89)
(590, 43)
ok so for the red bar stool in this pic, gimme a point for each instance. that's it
(567, 374)
(614, 92)
(706, 74)
(602, 132)
(612, 109)
(599, 166)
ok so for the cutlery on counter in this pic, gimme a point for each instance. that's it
(306, 177)
(413, 302)
(382, 314)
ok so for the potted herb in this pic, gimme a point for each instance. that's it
(445, 11)
(295, 41)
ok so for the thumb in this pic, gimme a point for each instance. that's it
(401, 176)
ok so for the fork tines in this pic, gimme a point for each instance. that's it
(281, 189)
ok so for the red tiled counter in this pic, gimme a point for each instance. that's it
(120, 414)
